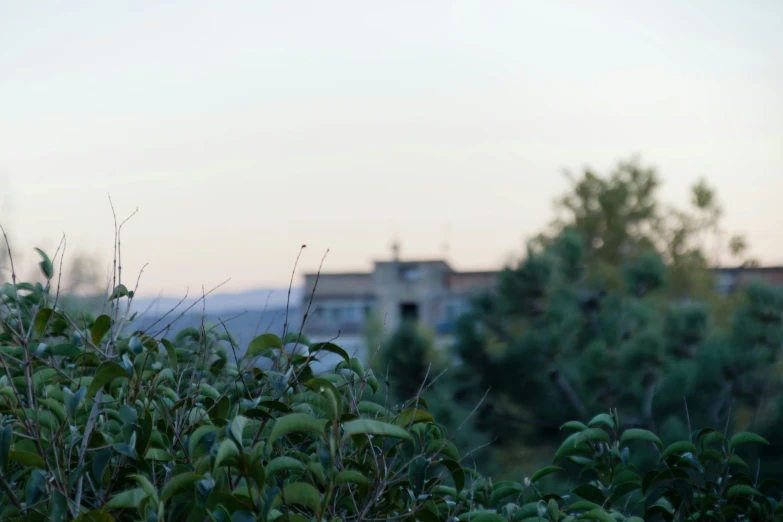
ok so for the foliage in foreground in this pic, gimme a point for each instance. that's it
(97, 424)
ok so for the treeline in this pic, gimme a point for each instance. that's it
(613, 307)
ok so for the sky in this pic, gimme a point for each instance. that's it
(242, 130)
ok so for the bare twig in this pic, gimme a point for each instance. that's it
(290, 285)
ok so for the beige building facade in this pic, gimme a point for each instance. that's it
(429, 292)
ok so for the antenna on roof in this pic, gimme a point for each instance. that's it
(446, 246)
(396, 249)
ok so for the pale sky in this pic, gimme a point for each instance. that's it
(242, 130)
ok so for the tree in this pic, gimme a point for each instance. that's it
(615, 308)
(407, 357)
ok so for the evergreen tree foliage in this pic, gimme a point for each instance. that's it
(615, 308)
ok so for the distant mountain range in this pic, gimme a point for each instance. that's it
(256, 300)
(246, 314)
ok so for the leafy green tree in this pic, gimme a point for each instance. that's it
(409, 358)
(615, 308)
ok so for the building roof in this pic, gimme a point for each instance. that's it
(337, 274)
(414, 262)
(749, 269)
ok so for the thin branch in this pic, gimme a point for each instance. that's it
(290, 285)
(186, 310)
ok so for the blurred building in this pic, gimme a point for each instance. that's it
(729, 280)
(428, 291)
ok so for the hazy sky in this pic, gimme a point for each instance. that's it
(242, 130)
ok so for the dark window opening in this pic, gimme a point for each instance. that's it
(409, 311)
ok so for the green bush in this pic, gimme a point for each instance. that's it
(101, 424)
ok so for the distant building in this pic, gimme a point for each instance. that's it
(729, 280)
(428, 291)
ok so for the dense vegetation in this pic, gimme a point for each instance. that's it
(614, 306)
(99, 424)
(610, 319)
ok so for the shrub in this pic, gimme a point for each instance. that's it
(101, 424)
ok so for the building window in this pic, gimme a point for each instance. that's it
(410, 273)
(409, 312)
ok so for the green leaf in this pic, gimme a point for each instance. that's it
(412, 416)
(73, 400)
(258, 474)
(372, 408)
(66, 350)
(743, 490)
(128, 415)
(45, 264)
(574, 425)
(238, 424)
(746, 438)
(199, 434)
(417, 472)
(295, 422)
(591, 435)
(570, 447)
(107, 372)
(171, 352)
(737, 462)
(179, 484)
(541, 473)
(351, 476)
(283, 464)
(263, 343)
(99, 328)
(373, 427)
(158, 455)
(457, 473)
(124, 448)
(356, 366)
(332, 348)
(119, 291)
(36, 486)
(444, 447)
(41, 320)
(678, 448)
(602, 418)
(227, 450)
(598, 514)
(501, 492)
(583, 505)
(146, 485)
(590, 493)
(553, 509)
(639, 434)
(26, 458)
(372, 381)
(131, 498)
(484, 517)
(58, 508)
(99, 463)
(329, 391)
(301, 493)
